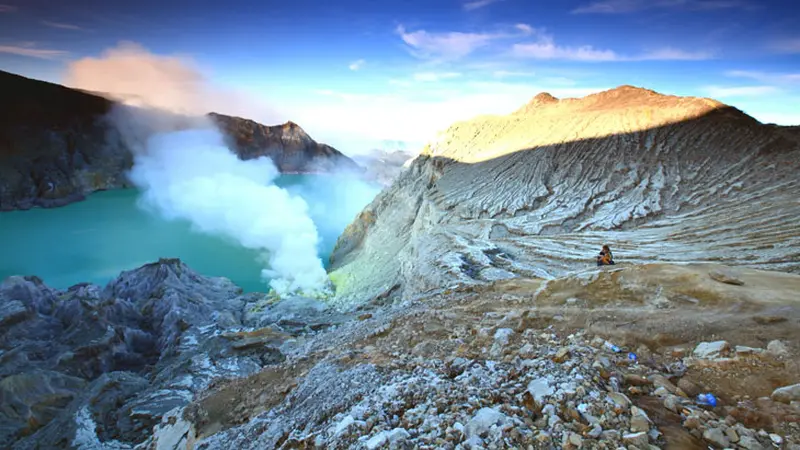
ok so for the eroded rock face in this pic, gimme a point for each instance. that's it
(536, 193)
(90, 365)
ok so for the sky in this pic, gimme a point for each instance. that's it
(361, 74)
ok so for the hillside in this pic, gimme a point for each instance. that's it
(537, 192)
(56, 146)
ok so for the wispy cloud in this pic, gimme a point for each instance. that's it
(434, 76)
(630, 6)
(357, 65)
(8, 8)
(766, 77)
(525, 28)
(61, 25)
(510, 74)
(450, 45)
(673, 54)
(30, 49)
(477, 4)
(739, 91)
(545, 48)
(786, 46)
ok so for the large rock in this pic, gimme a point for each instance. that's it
(95, 366)
(787, 394)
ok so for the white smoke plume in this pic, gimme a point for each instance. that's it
(192, 175)
(185, 171)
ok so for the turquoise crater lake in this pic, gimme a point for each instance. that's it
(96, 239)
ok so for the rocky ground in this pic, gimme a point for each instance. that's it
(164, 358)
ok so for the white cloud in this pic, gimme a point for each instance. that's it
(477, 4)
(7, 8)
(545, 48)
(509, 74)
(630, 6)
(525, 28)
(357, 65)
(434, 76)
(450, 45)
(673, 54)
(30, 49)
(766, 77)
(61, 25)
(739, 91)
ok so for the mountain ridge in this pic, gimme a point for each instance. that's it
(665, 179)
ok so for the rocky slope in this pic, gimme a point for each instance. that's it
(535, 193)
(56, 145)
(162, 358)
(92, 364)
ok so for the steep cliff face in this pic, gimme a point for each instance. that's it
(535, 193)
(56, 145)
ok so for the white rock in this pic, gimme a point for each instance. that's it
(398, 435)
(786, 394)
(710, 350)
(502, 335)
(639, 439)
(483, 420)
(540, 388)
(777, 348)
(377, 440)
(346, 422)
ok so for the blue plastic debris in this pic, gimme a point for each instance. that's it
(611, 347)
(632, 356)
(707, 400)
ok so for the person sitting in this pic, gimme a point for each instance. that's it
(605, 258)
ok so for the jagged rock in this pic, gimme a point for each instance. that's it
(716, 437)
(484, 418)
(74, 362)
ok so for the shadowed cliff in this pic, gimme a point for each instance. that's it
(57, 145)
(535, 193)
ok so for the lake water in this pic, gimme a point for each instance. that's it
(94, 240)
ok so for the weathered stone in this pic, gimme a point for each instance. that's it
(710, 350)
(777, 348)
(639, 439)
(724, 276)
(716, 437)
(787, 394)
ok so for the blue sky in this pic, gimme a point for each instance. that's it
(355, 72)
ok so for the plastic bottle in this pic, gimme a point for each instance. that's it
(707, 400)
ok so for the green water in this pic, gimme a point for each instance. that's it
(94, 240)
